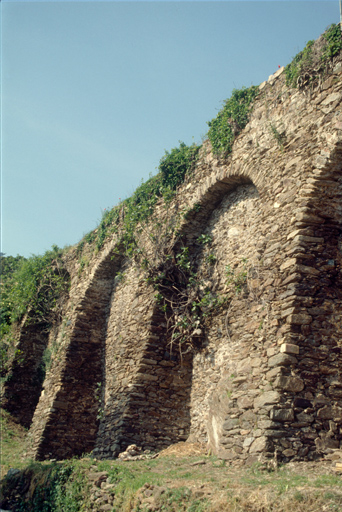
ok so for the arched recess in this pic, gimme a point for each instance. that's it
(23, 385)
(210, 199)
(146, 389)
(152, 408)
(66, 421)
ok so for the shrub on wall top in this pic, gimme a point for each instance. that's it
(231, 119)
(309, 64)
(175, 164)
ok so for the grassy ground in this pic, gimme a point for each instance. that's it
(12, 443)
(180, 479)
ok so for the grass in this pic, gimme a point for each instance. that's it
(328, 480)
(282, 479)
(13, 443)
(167, 484)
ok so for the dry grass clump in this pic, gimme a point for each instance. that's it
(184, 449)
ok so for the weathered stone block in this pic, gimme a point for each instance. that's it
(256, 362)
(310, 239)
(325, 413)
(282, 415)
(288, 312)
(302, 417)
(294, 384)
(289, 452)
(248, 416)
(307, 270)
(227, 454)
(245, 402)
(230, 423)
(282, 360)
(266, 424)
(309, 218)
(261, 444)
(331, 98)
(289, 348)
(268, 398)
(288, 263)
(147, 376)
(330, 413)
(326, 443)
(299, 319)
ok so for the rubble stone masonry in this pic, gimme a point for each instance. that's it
(267, 374)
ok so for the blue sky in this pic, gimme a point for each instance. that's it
(93, 93)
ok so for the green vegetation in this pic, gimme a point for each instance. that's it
(334, 42)
(13, 443)
(181, 292)
(32, 286)
(309, 64)
(9, 266)
(231, 119)
(138, 208)
(234, 280)
(204, 239)
(175, 164)
(279, 136)
(301, 60)
(51, 487)
(172, 484)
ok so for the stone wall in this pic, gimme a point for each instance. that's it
(266, 376)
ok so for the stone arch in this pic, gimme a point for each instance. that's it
(220, 196)
(211, 197)
(149, 389)
(233, 230)
(66, 419)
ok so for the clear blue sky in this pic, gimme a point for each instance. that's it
(93, 93)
